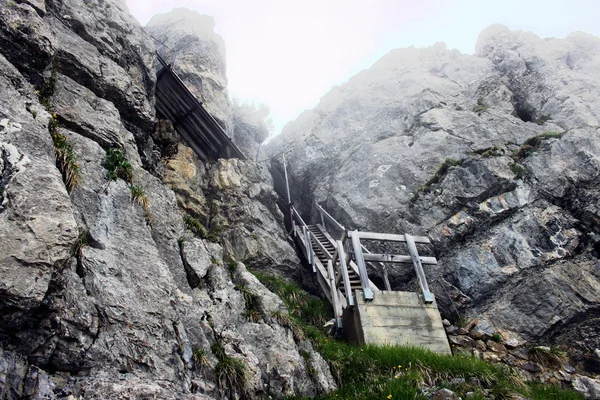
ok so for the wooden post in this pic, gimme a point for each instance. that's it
(362, 268)
(346, 277)
(386, 280)
(412, 248)
(337, 307)
(322, 221)
(289, 199)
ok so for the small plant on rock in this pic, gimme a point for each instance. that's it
(118, 166)
(519, 171)
(230, 373)
(287, 322)
(440, 173)
(552, 357)
(66, 159)
(532, 144)
(200, 359)
(253, 304)
(480, 106)
(542, 119)
(193, 225)
(493, 151)
(138, 194)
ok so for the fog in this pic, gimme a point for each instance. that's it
(288, 54)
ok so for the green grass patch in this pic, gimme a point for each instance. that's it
(493, 151)
(552, 357)
(480, 106)
(542, 119)
(118, 167)
(533, 144)
(195, 226)
(519, 170)
(200, 359)
(440, 173)
(252, 303)
(535, 391)
(231, 375)
(393, 372)
(301, 305)
(212, 235)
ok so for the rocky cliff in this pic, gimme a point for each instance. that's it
(495, 156)
(123, 258)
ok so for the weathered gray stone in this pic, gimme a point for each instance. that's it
(589, 387)
(508, 231)
(444, 394)
(95, 295)
(200, 58)
(37, 232)
(532, 367)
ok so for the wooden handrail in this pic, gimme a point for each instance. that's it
(329, 218)
(346, 277)
(362, 268)
(298, 217)
(412, 249)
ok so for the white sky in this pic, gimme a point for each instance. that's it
(290, 53)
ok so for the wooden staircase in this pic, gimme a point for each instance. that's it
(329, 244)
(364, 312)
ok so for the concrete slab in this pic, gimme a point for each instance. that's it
(397, 318)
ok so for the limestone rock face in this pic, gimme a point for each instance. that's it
(249, 127)
(104, 294)
(514, 220)
(199, 58)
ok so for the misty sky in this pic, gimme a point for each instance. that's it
(290, 53)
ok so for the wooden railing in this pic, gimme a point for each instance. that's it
(335, 271)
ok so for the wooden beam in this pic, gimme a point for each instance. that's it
(320, 246)
(325, 215)
(346, 277)
(388, 237)
(412, 248)
(393, 258)
(362, 268)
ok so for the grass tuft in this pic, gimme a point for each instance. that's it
(533, 144)
(253, 304)
(301, 305)
(138, 194)
(66, 159)
(440, 173)
(288, 322)
(551, 357)
(542, 119)
(493, 151)
(518, 170)
(230, 373)
(231, 376)
(199, 358)
(118, 166)
(480, 106)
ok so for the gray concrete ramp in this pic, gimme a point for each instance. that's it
(397, 318)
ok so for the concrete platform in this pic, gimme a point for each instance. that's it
(396, 318)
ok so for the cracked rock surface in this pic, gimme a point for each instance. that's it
(514, 220)
(103, 296)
